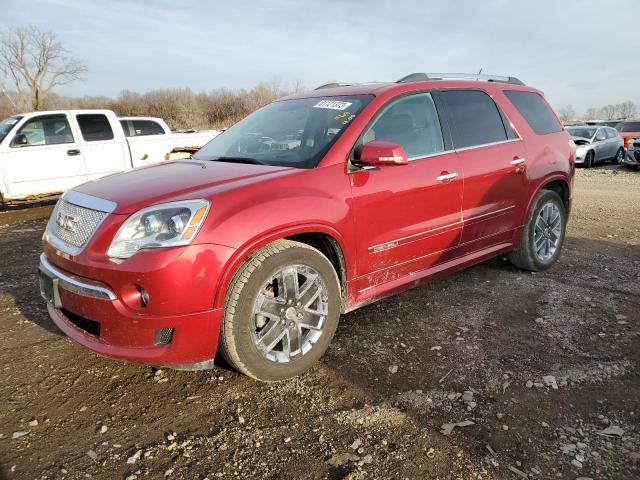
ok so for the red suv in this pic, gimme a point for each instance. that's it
(312, 206)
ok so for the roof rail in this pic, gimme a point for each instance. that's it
(420, 77)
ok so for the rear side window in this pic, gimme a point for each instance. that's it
(535, 111)
(94, 127)
(475, 117)
(146, 127)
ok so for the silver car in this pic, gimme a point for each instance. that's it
(597, 144)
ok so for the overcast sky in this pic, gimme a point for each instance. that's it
(582, 53)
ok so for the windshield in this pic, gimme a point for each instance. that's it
(7, 124)
(583, 132)
(628, 127)
(294, 133)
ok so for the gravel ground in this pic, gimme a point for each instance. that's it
(489, 373)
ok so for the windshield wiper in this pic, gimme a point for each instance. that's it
(250, 160)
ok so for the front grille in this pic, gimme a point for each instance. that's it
(71, 226)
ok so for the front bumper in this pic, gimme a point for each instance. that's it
(178, 328)
(632, 158)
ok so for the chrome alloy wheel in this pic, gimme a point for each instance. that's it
(547, 232)
(289, 313)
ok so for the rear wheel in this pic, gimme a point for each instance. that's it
(619, 158)
(281, 311)
(588, 160)
(543, 234)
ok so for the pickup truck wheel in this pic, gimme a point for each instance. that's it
(543, 233)
(281, 311)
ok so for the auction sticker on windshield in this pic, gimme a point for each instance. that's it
(332, 104)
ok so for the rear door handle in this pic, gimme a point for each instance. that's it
(518, 161)
(445, 177)
(73, 152)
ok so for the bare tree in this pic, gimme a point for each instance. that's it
(592, 114)
(626, 109)
(608, 112)
(566, 113)
(35, 62)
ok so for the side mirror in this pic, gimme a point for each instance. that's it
(20, 140)
(600, 138)
(379, 153)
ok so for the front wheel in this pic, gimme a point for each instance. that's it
(588, 161)
(543, 234)
(281, 311)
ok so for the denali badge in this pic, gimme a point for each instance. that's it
(66, 221)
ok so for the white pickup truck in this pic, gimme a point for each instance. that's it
(46, 153)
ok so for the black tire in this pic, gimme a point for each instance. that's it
(588, 160)
(619, 158)
(524, 255)
(236, 340)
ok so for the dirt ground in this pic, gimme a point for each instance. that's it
(488, 345)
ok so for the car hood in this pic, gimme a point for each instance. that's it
(175, 180)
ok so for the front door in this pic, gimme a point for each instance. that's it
(407, 217)
(43, 157)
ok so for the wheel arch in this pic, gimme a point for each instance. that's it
(322, 237)
(558, 184)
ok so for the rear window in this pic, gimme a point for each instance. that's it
(535, 111)
(146, 127)
(94, 127)
(476, 118)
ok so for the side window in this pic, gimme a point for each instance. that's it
(94, 127)
(475, 117)
(611, 133)
(44, 130)
(146, 127)
(412, 122)
(535, 111)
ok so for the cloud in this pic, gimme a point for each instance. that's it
(207, 45)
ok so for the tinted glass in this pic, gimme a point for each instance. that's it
(535, 111)
(295, 133)
(146, 127)
(7, 124)
(628, 127)
(475, 117)
(411, 122)
(94, 127)
(45, 130)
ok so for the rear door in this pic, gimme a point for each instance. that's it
(104, 148)
(493, 159)
(43, 156)
(407, 217)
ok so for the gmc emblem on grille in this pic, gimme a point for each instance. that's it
(66, 221)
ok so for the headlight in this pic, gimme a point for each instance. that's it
(165, 225)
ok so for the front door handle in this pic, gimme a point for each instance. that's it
(518, 161)
(445, 177)
(73, 152)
